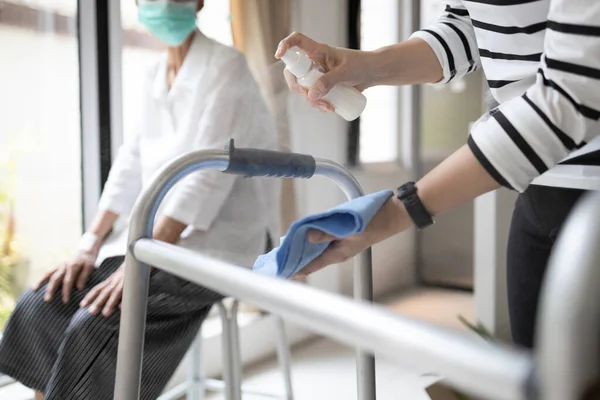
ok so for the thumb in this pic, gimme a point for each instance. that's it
(324, 84)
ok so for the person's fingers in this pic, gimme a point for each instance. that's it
(331, 256)
(114, 300)
(71, 273)
(362, 87)
(317, 236)
(322, 105)
(92, 294)
(101, 299)
(84, 275)
(325, 83)
(44, 279)
(292, 83)
(53, 283)
(312, 48)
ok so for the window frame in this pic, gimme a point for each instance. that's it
(93, 116)
(354, 32)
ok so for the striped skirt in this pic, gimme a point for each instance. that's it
(68, 354)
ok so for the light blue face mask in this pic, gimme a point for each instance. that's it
(170, 22)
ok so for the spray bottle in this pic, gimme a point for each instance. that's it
(349, 103)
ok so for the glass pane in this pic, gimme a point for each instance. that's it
(215, 21)
(140, 51)
(40, 158)
(379, 121)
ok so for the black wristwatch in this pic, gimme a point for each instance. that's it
(407, 194)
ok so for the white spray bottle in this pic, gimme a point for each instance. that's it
(349, 103)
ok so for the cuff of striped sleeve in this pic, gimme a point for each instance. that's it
(485, 163)
(500, 154)
(440, 53)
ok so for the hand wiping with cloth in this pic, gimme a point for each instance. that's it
(303, 249)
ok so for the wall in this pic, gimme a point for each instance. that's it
(446, 248)
(325, 136)
(492, 225)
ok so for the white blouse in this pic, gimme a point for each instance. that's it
(212, 99)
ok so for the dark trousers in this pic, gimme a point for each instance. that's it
(537, 219)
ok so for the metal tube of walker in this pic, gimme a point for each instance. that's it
(363, 277)
(137, 274)
(489, 370)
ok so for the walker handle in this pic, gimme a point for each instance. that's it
(278, 164)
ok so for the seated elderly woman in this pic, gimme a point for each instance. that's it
(62, 338)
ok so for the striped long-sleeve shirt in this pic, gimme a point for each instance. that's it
(541, 59)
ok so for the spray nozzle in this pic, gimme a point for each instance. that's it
(296, 61)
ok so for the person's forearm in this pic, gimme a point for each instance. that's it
(458, 179)
(102, 225)
(406, 63)
(168, 229)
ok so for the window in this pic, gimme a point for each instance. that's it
(140, 51)
(215, 21)
(379, 122)
(40, 142)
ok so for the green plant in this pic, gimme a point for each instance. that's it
(5, 277)
(7, 253)
(482, 332)
(4, 315)
(478, 328)
(10, 259)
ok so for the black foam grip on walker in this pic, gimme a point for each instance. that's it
(256, 162)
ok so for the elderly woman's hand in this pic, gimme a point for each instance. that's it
(106, 296)
(341, 66)
(391, 219)
(71, 274)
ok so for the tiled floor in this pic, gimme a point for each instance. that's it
(15, 392)
(324, 370)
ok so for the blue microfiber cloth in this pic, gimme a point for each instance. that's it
(295, 252)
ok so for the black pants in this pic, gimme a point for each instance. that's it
(538, 217)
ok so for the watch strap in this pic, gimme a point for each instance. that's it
(408, 195)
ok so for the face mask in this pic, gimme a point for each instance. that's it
(170, 22)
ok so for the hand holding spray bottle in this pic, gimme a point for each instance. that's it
(349, 103)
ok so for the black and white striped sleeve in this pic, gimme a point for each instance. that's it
(452, 39)
(529, 134)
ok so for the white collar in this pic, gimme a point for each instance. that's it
(193, 68)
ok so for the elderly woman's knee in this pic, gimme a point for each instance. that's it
(84, 324)
(31, 305)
